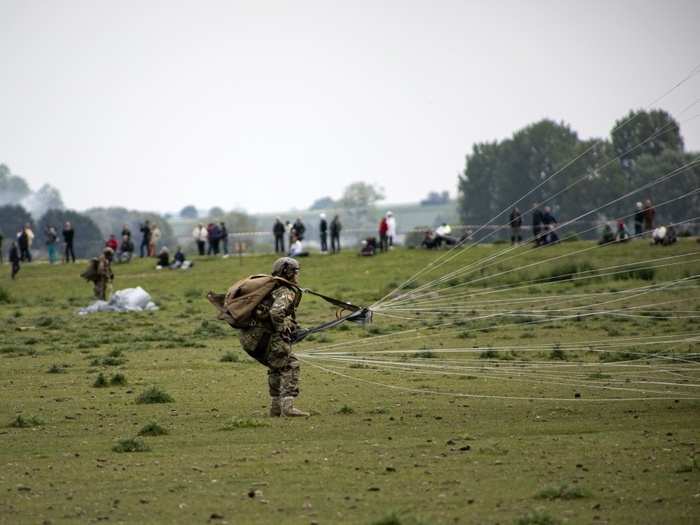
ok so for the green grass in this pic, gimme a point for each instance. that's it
(369, 453)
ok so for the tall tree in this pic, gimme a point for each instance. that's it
(189, 212)
(12, 187)
(12, 219)
(645, 133)
(358, 201)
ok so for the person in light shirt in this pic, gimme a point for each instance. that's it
(442, 234)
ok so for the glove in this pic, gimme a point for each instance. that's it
(299, 334)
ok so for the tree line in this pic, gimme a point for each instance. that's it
(643, 146)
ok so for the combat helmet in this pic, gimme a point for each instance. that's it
(285, 267)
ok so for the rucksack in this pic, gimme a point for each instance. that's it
(90, 273)
(237, 306)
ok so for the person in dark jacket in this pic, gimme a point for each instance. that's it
(537, 220)
(278, 231)
(639, 220)
(214, 236)
(336, 227)
(23, 245)
(145, 238)
(14, 258)
(68, 238)
(126, 231)
(224, 237)
(323, 230)
(549, 227)
(516, 222)
(299, 229)
(163, 258)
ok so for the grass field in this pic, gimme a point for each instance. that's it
(404, 437)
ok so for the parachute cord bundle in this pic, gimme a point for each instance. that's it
(449, 299)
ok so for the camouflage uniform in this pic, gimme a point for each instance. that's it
(104, 276)
(268, 341)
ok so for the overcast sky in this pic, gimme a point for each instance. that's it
(269, 105)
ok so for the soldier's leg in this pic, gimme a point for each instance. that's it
(283, 362)
(274, 380)
(100, 289)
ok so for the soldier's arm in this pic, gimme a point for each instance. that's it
(281, 311)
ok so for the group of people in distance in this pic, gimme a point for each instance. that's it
(211, 239)
(296, 231)
(387, 234)
(21, 247)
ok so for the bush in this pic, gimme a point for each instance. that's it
(345, 409)
(154, 395)
(100, 381)
(152, 429)
(130, 445)
(243, 422)
(537, 518)
(21, 422)
(230, 357)
(558, 353)
(644, 274)
(563, 491)
(118, 380)
(56, 369)
(488, 354)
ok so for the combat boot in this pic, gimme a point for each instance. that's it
(288, 409)
(275, 407)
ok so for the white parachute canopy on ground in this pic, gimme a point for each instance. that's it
(127, 300)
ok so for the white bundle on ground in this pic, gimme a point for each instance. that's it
(128, 300)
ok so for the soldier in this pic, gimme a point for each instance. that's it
(103, 273)
(269, 339)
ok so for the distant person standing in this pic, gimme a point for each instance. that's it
(537, 222)
(649, 214)
(145, 238)
(550, 227)
(200, 236)
(51, 242)
(14, 259)
(383, 239)
(290, 232)
(224, 237)
(278, 231)
(214, 233)
(323, 230)
(639, 220)
(1, 239)
(299, 229)
(516, 223)
(126, 231)
(390, 228)
(23, 245)
(30, 240)
(68, 236)
(154, 240)
(335, 228)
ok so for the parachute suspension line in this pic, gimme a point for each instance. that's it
(486, 396)
(694, 71)
(381, 338)
(476, 264)
(587, 274)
